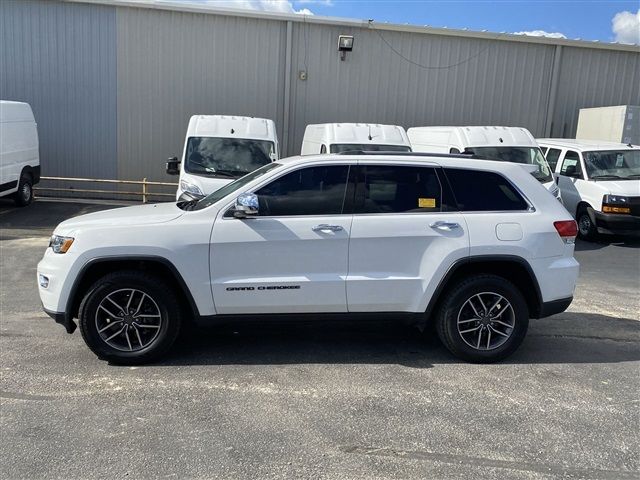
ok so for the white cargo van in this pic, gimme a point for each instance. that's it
(354, 137)
(219, 149)
(507, 144)
(19, 156)
(600, 184)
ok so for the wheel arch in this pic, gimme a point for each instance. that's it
(100, 266)
(514, 269)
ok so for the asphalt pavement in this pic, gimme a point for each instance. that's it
(321, 401)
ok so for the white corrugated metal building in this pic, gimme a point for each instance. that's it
(113, 84)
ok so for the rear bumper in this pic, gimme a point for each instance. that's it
(554, 307)
(617, 224)
(63, 319)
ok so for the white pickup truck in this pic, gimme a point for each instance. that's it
(476, 246)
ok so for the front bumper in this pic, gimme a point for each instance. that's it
(63, 319)
(617, 224)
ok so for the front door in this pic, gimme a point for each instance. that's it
(569, 178)
(292, 257)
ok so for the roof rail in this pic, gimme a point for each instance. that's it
(412, 154)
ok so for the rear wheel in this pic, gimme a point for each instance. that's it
(24, 195)
(129, 317)
(587, 229)
(483, 319)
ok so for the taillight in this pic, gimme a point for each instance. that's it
(567, 229)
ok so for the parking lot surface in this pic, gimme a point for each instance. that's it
(321, 401)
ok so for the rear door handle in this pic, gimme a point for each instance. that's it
(323, 227)
(448, 226)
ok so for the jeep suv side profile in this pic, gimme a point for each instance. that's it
(479, 247)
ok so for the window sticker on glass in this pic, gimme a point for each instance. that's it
(426, 203)
(619, 160)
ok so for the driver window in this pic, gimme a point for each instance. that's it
(571, 165)
(308, 191)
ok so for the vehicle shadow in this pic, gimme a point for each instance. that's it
(565, 338)
(604, 241)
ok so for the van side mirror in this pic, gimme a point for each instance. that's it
(173, 166)
(246, 206)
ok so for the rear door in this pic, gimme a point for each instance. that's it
(292, 257)
(405, 233)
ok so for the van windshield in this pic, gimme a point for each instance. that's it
(524, 155)
(348, 147)
(226, 157)
(232, 187)
(613, 164)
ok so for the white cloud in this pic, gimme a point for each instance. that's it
(278, 6)
(541, 33)
(626, 27)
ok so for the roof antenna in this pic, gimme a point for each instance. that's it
(370, 137)
(629, 145)
(233, 131)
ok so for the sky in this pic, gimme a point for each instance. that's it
(602, 20)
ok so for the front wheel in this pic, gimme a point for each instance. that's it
(24, 195)
(129, 317)
(483, 319)
(586, 227)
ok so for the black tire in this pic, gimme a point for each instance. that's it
(161, 338)
(587, 230)
(24, 195)
(454, 306)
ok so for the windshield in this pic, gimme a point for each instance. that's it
(233, 186)
(226, 157)
(524, 155)
(613, 164)
(348, 147)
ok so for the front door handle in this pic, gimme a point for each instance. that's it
(323, 227)
(448, 226)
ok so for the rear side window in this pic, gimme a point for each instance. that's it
(308, 191)
(398, 189)
(478, 191)
(553, 154)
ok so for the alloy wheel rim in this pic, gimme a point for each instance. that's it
(486, 321)
(128, 320)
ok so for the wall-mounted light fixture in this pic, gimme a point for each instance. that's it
(345, 44)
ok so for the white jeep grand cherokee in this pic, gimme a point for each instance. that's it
(478, 246)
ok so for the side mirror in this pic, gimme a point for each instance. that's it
(173, 166)
(246, 206)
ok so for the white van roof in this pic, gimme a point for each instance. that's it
(15, 112)
(358, 133)
(584, 145)
(227, 126)
(472, 136)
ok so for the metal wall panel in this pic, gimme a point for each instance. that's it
(593, 78)
(172, 65)
(498, 83)
(61, 58)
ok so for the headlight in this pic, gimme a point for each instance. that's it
(60, 244)
(615, 200)
(190, 188)
(615, 204)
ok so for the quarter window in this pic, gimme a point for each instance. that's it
(398, 189)
(308, 191)
(478, 191)
(553, 154)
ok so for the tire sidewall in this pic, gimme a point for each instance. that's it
(591, 233)
(18, 197)
(167, 305)
(448, 327)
